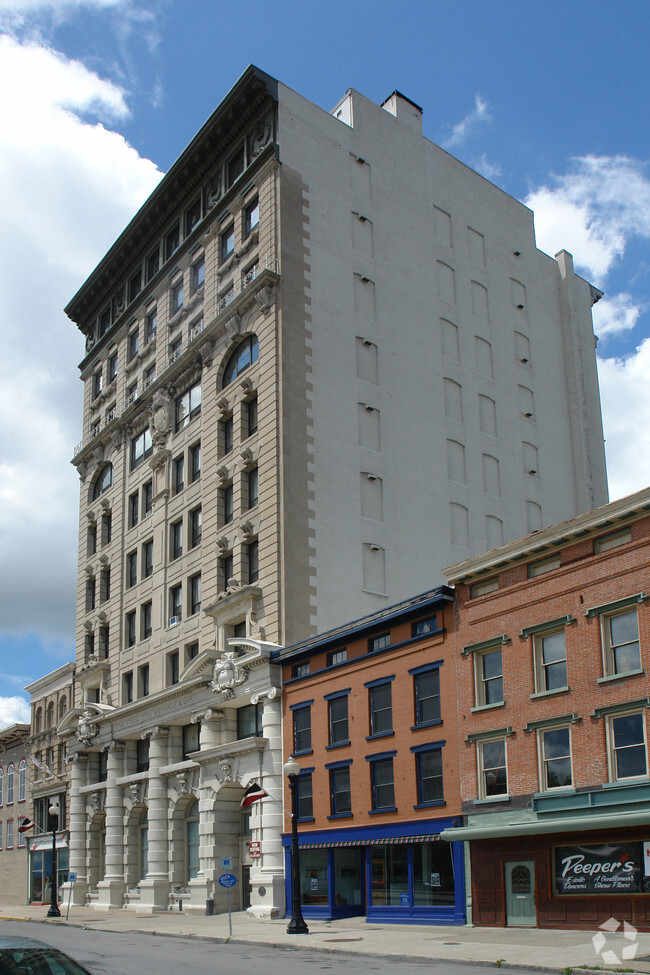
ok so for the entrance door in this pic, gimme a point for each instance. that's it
(246, 887)
(520, 894)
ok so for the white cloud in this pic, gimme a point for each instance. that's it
(461, 130)
(13, 710)
(593, 211)
(68, 186)
(490, 170)
(615, 314)
(625, 394)
(29, 6)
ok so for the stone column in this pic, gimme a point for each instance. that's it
(155, 887)
(111, 889)
(210, 732)
(78, 829)
(267, 873)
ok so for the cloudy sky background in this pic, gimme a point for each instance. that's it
(100, 96)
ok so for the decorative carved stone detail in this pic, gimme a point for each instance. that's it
(247, 457)
(208, 715)
(223, 473)
(206, 353)
(257, 631)
(117, 435)
(264, 297)
(248, 530)
(247, 385)
(226, 770)
(135, 789)
(270, 695)
(181, 784)
(158, 731)
(161, 418)
(233, 327)
(96, 801)
(261, 135)
(223, 544)
(224, 405)
(233, 586)
(215, 189)
(86, 729)
(227, 675)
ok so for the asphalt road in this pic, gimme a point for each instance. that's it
(113, 953)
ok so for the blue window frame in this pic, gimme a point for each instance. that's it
(382, 781)
(340, 793)
(380, 707)
(305, 796)
(302, 727)
(428, 773)
(337, 712)
(426, 694)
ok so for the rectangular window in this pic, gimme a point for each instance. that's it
(192, 217)
(107, 528)
(147, 498)
(337, 657)
(150, 326)
(226, 566)
(488, 671)
(381, 710)
(172, 241)
(142, 755)
(134, 509)
(621, 642)
(493, 777)
(428, 770)
(112, 367)
(338, 720)
(253, 558)
(133, 343)
(179, 474)
(97, 383)
(301, 669)
(91, 539)
(227, 433)
(135, 285)
(228, 500)
(302, 729)
(227, 243)
(147, 559)
(153, 263)
(10, 834)
(191, 651)
(129, 628)
(252, 217)
(198, 274)
(235, 166)
(176, 297)
(175, 604)
(484, 587)
(131, 569)
(188, 406)
(141, 447)
(251, 416)
(379, 642)
(249, 721)
(145, 620)
(104, 642)
(340, 794)
(627, 746)
(305, 796)
(555, 758)
(90, 593)
(196, 530)
(544, 565)
(382, 783)
(195, 462)
(426, 688)
(253, 487)
(143, 680)
(190, 739)
(173, 667)
(422, 627)
(550, 661)
(175, 350)
(608, 542)
(104, 321)
(105, 585)
(195, 593)
(176, 530)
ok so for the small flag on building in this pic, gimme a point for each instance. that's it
(252, 794)
(25, 824)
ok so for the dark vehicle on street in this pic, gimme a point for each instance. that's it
(26, 956)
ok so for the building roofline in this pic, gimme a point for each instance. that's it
(357, 628)
(43, 682)
(173, 185)
(13, 733)
(555, 536)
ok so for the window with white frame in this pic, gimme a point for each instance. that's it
(620, 632)
(10, 784)
(492, 768)
(550, 661)
(188, 406)
(22, 780)
(555, 758)
(10, 834)
(627, 746)
(2, 776)
(488, 675)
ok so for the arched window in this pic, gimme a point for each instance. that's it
(104, 481)
(246, 353)
(50, 714)
(22, 780)
(63, 707)
(2, 776)
(10, 784)
(143, 844)
(192, 840)
(38, 720)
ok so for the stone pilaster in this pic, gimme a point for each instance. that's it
(111, 889)
(267, 872)
(155, 887)
(78, 829)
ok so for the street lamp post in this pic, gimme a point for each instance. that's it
(297, 923)
(54, 907)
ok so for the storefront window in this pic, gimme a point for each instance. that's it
(41, 874)
(433, 876)
(347, 877)
(314, 877)
(389, 875)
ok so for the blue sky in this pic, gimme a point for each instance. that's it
(100, 96)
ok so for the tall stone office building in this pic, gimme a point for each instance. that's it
(323, 360)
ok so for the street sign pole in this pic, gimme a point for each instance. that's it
(228, 880)
(71, 879)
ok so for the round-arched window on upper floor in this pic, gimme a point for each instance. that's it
(22, 780)
(50, 714)
(63, 707)
(103, 481)
(38, 720)
(10, 784)
(2, 776)
(246, 353)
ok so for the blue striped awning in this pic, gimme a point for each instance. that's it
(374, 841)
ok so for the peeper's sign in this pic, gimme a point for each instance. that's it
(611, 869)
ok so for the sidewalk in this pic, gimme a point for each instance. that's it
(545, 950)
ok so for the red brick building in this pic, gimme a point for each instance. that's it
(369, 712)
(553, 654)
